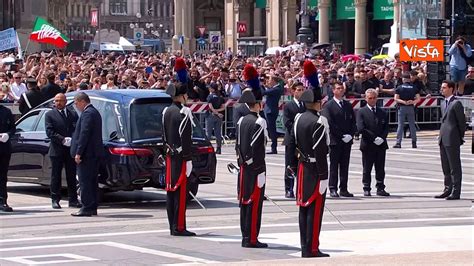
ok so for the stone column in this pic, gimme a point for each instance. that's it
(273, 23)
(177, 24)
(323, 29)
(396, 19)
(289, 20)
(360, 46)
(257, 27)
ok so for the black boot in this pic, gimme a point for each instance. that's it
(183, 233)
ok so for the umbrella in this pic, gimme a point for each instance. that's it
(349, 57)
(380, 57)
(273, 50)
(320, 45)
(8, 60)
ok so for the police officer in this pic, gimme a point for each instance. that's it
(407, 96)
(177, 123)
(290, 110)
(250, 148)
(312, 139)
(32, 98)
(342, 124)
(7, 129)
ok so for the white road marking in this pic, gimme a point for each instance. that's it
(231, 227)
(116, 245)
(28, 259)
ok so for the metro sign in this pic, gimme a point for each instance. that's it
(241, 26)
(94, 17)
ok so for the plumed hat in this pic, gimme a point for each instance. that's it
(310, 73)
(181, 70)
(311, 96)
(177, 89)
(251, 77)
(247, 97)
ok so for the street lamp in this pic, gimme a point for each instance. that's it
(305, 34)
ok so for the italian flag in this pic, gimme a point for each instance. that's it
(44, 32)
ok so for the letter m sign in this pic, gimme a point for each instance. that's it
(241, 27)
(94, 17)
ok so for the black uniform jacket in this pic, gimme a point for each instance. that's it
(35, 98)
(341, 121)
(311, 140)
(7, 125)
(250, 148)
(289, 112)
(59, 127)
(371, 126)
(177, 129)
(87, 137)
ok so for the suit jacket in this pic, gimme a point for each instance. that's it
(289, 112)
(371, 126)
(453, 123)
(7, 125)
(341, 121)
(87, 137)
(273, 96)
(35, 98)
(50, 90)
(59, 127)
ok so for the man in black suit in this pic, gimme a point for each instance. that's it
(290, 110)
(372, 123)
(272, 93)
(87, 151)
(451, 137)
(7, 129)
(60, 124)
(342, 127)
(32, 98)
(51, 89)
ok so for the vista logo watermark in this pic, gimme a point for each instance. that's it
(422, 50)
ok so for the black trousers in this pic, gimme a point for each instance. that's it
(452, 170)
(251, 217)
(272, 130)
(310, 219)
(4, 163)
(371, 157)
(176, 207)
(88, 171)
(57, 164)
(339, 156)
(292, 161)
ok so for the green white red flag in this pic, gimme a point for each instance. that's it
(43, 32)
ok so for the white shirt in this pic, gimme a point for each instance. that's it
(18, 90)
(339, 102)
(297, 102)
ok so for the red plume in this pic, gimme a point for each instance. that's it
(250, 72)
(309, 68)
(179, 64)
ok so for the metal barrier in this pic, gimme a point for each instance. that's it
(468, 103)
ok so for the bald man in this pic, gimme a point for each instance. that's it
(60, 124)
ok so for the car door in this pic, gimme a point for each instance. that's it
(24, 126)
(36, 145)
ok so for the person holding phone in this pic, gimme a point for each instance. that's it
(460, 51)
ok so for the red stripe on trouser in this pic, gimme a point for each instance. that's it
(316, 220)
(299, 193)
(168, 172)
(241, 183)
(255, 207)
(182, 200)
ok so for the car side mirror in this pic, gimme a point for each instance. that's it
(18, 130)
(113, 136)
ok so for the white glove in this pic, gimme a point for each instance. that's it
(378, 141)
(4, 137)
(67, 141)
(323, 185)
(261, 178)
(189, 168)
(346, 138)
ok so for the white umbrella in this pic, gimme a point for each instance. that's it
(8, 60)
(274, 49)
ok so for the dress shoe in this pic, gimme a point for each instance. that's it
(367, 193)
(5, 208)
(443, 195)
(82, 214)
(258, 244)
(333, 194)
(94, 212)
(397, 146)
(453, 197)
(292, 195)
(382, 193)
(55, 204)
(183, 233)
(345, 193)
(75, 204)
(289, 194)
(413, 145)
(272, 152)
(319, 254)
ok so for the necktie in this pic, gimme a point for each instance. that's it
(446, 103)
(374, 110)
(63, 113)
(340, 103)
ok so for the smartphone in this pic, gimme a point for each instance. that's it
(62, 76)
(148, 70)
